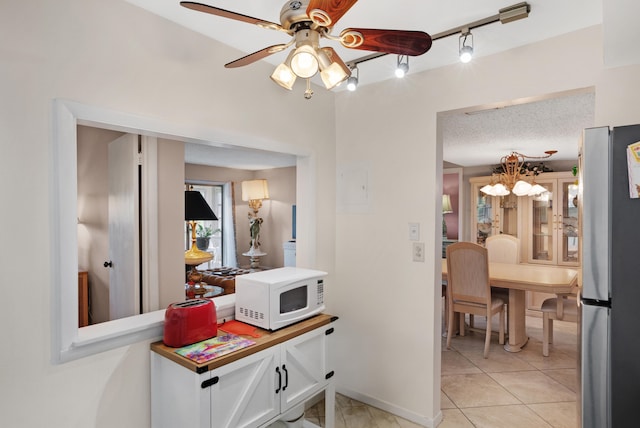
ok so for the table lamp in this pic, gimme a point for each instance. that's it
(254, 191)
(196, 208)
(446, 209)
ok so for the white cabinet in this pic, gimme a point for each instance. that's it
(547, 225)
(552, 227)
(252, 391)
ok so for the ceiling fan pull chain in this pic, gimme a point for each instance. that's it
(309, 92)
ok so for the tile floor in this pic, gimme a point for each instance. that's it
(507, 390)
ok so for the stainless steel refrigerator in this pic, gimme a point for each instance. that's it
(610, 295)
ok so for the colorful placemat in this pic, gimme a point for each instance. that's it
(209, 349)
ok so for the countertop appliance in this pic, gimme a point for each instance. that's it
(189, 322)
(275, 298)
(610, 295)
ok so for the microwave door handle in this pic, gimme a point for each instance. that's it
(305, 316)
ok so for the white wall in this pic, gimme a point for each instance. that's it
(115, 56)
(390, 306)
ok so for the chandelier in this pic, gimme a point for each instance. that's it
(515, 176)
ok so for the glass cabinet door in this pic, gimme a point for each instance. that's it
(493, 215)
(543, 225)
(568, 223)
(509, 214)
(484, 216)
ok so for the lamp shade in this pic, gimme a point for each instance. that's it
(255, 189)
(196, 208)
(446, 204)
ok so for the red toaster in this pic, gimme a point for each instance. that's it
(189, 322)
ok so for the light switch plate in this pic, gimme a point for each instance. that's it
(414, 231)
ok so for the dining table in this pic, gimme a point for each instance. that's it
(520, 278)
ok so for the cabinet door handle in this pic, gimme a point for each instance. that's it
(286, 377)
(207, 383)
(279, 379)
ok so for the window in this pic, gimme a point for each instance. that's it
(220, 233)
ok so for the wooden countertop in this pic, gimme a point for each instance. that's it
(268, 339)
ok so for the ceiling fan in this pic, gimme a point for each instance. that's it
(307, 21)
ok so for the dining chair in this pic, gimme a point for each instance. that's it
(562, 308)
(469, 290)
(503, 248)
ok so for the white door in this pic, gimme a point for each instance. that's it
(124, 271)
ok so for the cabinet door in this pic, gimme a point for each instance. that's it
(568, 223)
(304, 366)
(483, 214)
(244, 394)
(543, 225)
(492, 215)
(507, 215)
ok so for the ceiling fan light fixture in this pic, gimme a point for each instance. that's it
(465, 46)
(304, 62)
(403, 67)
(333, 71)
(284, 76)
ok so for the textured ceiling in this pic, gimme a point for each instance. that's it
(481, 137)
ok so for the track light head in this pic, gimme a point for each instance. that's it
(403, 67)
(465, 45)
(352, 82)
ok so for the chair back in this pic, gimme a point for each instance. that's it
(468, 273)
(503, 248)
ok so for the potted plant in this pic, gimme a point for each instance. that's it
(203, 235)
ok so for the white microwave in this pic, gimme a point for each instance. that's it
(275, 298)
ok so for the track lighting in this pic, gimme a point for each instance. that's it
(352, 82)
(465, 45)
(403, 67)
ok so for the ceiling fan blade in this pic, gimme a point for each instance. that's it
(253, 57)
(399, 42)
(232, 15)
(330, 11)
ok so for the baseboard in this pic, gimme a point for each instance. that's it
(392, 408)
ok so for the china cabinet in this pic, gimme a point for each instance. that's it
(546, 224)
(551, 233)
